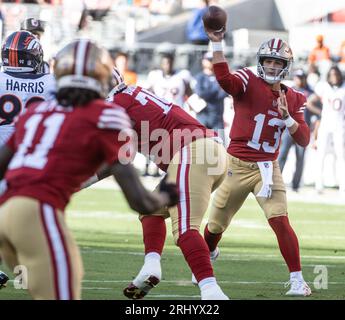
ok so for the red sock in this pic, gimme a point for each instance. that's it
(154, 232)
(288, 242)
(212, 239)
(196, 253)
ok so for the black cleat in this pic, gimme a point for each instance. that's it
(135, 293)
(3, 279)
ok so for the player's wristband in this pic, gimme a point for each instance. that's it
(289, 121)
(217, 46)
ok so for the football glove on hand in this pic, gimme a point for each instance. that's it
(172, 191)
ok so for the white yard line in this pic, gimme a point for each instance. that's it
(104, 214)
(189, 282)
(306, 195)
(224, 256)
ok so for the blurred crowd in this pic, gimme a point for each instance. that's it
(320, 78)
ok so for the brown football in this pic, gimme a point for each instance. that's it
(215, 18)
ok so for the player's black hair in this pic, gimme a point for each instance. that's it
(75, 96)
(338, 71)
(122, 54)
(168, 55)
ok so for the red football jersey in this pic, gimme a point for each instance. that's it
(57, 149)
(162, 128)
(257, 125)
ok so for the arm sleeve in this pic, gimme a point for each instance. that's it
(234, 84)
(116, 146)
(302, 134)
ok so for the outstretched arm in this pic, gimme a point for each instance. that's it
(216, 38)
(139, 199)
(231, 83)
(101, 174)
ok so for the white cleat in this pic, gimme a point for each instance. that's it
(194, 281)
(213, 292)
(213, 257)
(148, 278)
(298, 288)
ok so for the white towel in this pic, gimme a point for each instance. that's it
(266, 171)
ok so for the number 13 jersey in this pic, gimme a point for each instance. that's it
(257, 125)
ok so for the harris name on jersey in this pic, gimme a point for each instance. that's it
(32, 87)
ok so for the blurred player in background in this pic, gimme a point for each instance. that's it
(20, 83)
(330, 129)
(57, 145)
(121, 63)
(300, 84)
(170, 84)
(36, 27)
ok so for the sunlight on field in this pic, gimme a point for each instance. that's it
(250, 265)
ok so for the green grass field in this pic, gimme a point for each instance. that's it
(250, 265)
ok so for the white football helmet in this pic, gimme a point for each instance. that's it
(274, 49)
(118, 84)
(118, 80)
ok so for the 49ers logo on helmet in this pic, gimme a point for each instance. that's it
(275, 44)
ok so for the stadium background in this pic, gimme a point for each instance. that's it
(250, 266)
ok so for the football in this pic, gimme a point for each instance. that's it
(215, 18)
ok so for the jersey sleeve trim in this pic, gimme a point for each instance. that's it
(232, 83)
(114, 118)
(302, 108)
(244, 76)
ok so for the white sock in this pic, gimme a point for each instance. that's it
(152, 256)
(151, 266)
(296, 275)
(207, 282)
